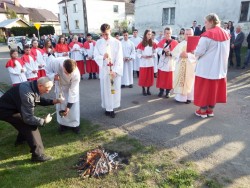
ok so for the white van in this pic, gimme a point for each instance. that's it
(16, 43)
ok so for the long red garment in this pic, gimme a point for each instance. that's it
(146, 77)
(164, 79)
(209, 92)
(80, 65)
(91, 66)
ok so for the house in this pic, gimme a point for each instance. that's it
(157, 14)
(45, 18)
(8, 6)
(98, 12)
(7, 24)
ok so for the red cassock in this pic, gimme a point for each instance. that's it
(91, 65)
(164, 80)
(146, 76)
(165, 77)
(60, 48)
(208, 92)
(33, 52)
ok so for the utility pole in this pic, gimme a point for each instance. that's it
(66, 11)
(85, 18)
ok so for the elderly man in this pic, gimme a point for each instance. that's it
(236, 43)
(17, 108)
(184, 71)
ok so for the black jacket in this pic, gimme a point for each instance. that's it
(238, 40)
(22, 99)
(248, 41)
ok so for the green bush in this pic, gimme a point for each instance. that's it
(22, 31)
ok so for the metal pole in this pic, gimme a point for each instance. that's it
(85, 18)
(66, 11)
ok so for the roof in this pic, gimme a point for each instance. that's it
(41, 15)
(5, 23)
(18, 9)
(129, 8)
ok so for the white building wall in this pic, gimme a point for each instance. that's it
(78, 15)
(98, 12)
(2, 17)
(148, 13)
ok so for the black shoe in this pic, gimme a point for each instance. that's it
(167, 95)
(94, 76)
(107, 113)
(76, 130)
(148, 92)
(161, 93)
(155, 75)
(40, 158)
(81, 77)
(188, 102)
(62, 128)
(123, 86)
(130, 86)
(112, 114)
(144, 92)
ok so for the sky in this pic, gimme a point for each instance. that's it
(42, 4)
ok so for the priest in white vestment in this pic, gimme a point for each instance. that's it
(184, 71)
(66, 75)
(128, 50)
(108, 56)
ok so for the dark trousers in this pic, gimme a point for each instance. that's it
(237, 55)
(26, 132)
(231, 57)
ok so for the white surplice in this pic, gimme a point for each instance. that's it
(16, 75)
(31, 66)
(128, 50)
(156, 58)
(68, 86)
(184, 74)
(136, 63)
(109, 101)
(76, 51)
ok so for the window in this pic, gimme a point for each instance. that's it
(115, 8)
(65, 24)
(64, 10)
(244, 12)
(75, 8)
(77, 24)
(168, 16)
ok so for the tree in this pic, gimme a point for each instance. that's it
(11, 14)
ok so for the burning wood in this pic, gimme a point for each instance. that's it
(97, 163)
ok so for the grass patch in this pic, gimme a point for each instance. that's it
(148, 166)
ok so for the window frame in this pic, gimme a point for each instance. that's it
(248, 12)
(77, 26)
(115, 8)
(170, 20)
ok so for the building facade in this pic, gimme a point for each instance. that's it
(157, 14)
(98, 12)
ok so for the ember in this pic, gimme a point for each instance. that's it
(98, 162)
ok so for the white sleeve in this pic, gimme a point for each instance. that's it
(133, 53)
(202, 47)
(118, 68)
(14, 71)
(98, 56)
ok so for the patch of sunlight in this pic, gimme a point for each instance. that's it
(247, 97)
(237, 88)
(176, 122)
(154, 100)
(193, 127)
(129, 108)
(241, 181)
(148, 120)
(226, 153)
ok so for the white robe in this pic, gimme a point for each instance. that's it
(109, 101)
(128, 50)
(184, 74)
(89, 52)
(210, 53)
(136, 62)
(69, 84)
(40, 60)
(148, 51)
(16, 75)
(31, 66)
(156, 59)
(78, 54)
(166, 63)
